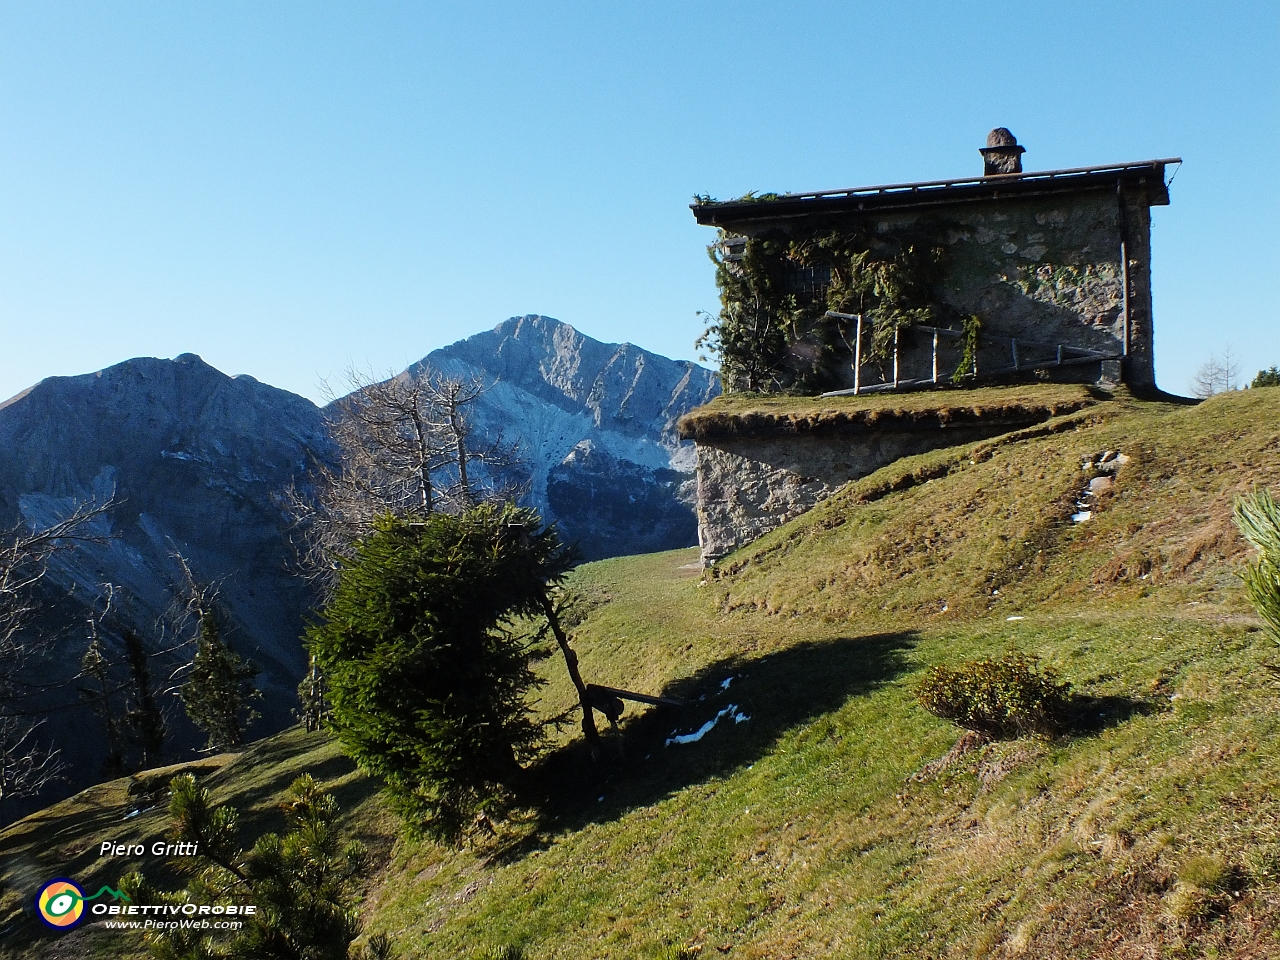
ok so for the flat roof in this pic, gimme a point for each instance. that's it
(1148, 174)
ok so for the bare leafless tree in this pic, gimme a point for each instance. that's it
(1216, 375)
(191, 602)
(26, 766)
(404, 447)
(451, 399)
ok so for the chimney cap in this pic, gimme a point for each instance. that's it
(1002, 140)
(1001, 137)
(1002, 154)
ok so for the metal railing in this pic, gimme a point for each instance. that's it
(1064, 355)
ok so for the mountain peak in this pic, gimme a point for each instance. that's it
(622, 384)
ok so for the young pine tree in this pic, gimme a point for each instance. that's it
(218, 690)
(303, 883)
(1258, 517)
(427, 680)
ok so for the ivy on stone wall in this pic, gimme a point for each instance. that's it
(758, 319)
(772, 334)
(969, 348)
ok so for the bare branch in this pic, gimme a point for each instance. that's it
(1216, 375)
(25, 554)
(404, 448)
(26, 768)
(24, 561)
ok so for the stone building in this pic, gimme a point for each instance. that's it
(1055, 265)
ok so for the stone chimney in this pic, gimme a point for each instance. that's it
(1002, 153)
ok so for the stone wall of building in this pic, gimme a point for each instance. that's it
(1049, 269)
(749, 485)
(1044, 270)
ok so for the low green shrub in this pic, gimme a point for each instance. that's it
(1006, 697)
(509, 952)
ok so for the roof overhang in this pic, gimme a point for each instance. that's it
(1145, 178)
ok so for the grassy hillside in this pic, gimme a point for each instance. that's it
(827, 815)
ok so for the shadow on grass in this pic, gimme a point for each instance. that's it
(776, 692)
(268, 767)
(1088, 715)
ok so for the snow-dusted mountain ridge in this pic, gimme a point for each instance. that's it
(552, 389)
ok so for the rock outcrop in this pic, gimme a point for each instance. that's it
(759, 468)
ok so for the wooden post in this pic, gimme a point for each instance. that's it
(857, 358)
(1122, 216)
(935, 356)
(896, 331)
(1015, 353)
(1059, 353)
(1124, 278)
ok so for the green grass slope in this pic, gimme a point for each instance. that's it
(826, 814)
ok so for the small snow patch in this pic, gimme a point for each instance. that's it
(730, 711)
(724, 684)
(1011, 619)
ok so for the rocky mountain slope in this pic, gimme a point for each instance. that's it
(596, 426)
(196, 460)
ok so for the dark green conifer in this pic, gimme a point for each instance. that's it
(427, 676)
(143, 718)
(95, 667)
(217, 691)
(313, 705)
(1267, 378)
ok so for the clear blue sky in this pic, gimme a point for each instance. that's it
(284, 188)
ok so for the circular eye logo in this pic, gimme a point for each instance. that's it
(60, 903)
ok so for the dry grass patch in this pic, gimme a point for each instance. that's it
(753, 414)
